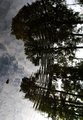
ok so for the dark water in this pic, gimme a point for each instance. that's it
(40, 72)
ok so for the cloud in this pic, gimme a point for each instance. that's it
(7, 61)
(4, 8)
(13, 61)
(8, 65)
(13, 65)
(2, 47)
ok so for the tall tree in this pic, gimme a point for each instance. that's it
(66, 103)
(49, 31)
(45, 24)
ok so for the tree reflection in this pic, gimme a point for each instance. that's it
(50, 34)
(65, 103)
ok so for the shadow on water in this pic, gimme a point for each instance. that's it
(50, 34)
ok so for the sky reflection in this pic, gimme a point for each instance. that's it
(13, 66)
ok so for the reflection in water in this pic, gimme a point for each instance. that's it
(50, 34)
(66, 103)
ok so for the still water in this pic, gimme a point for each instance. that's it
(13, 66)
(40, 75)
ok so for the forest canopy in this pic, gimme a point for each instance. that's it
(50, 34)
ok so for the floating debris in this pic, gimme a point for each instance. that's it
(7, 81)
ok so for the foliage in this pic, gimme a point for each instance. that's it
(47, 29)
(46, 97)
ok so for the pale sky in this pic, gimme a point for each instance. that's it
(13, 65)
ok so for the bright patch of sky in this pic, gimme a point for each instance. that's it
(76, 7)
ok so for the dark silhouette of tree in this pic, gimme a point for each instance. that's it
(44, 24)
(80, 1)
(50, 34)
(66, 103)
